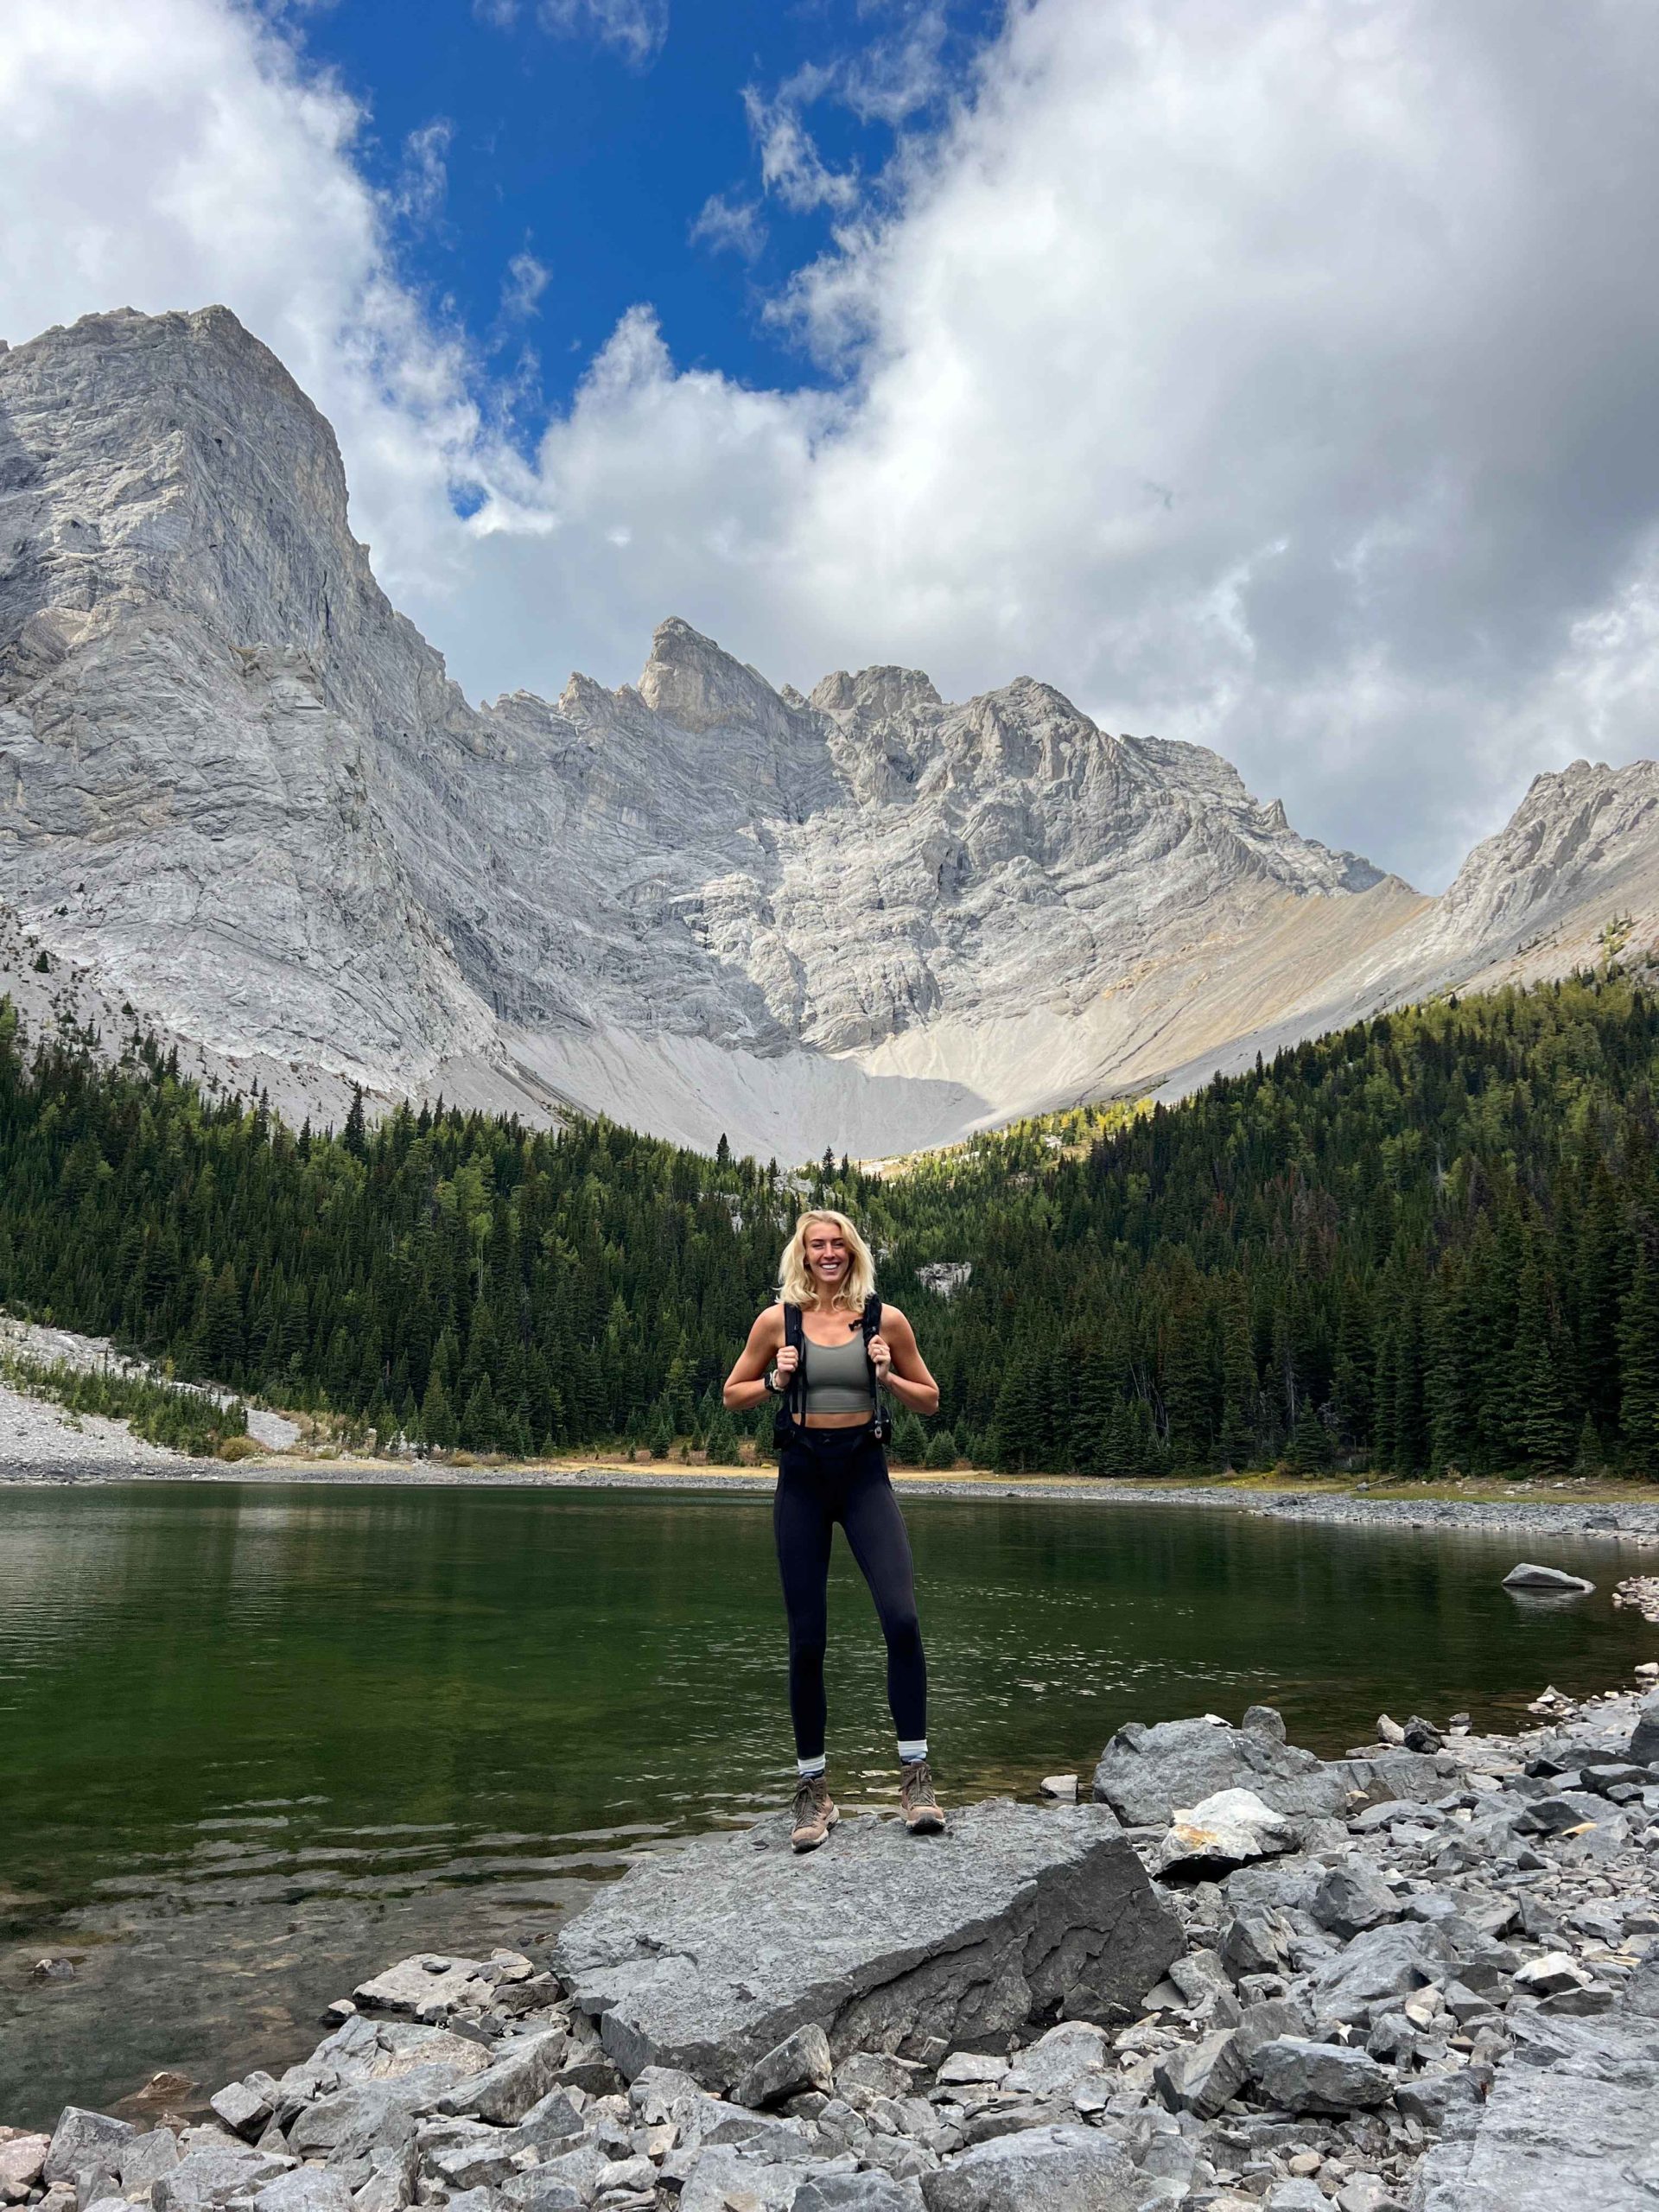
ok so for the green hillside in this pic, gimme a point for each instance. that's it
(1430, 1241)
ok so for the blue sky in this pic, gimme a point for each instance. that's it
(506, 137)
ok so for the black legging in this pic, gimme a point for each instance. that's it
(841, 1475)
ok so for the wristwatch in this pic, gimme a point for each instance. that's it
(775, 1382)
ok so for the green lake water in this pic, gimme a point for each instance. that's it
(257, 1740)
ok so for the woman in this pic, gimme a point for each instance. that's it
(834, 1469)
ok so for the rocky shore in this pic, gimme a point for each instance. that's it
(1422, 1978)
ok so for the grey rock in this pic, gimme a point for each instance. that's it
(1400, 1777)
(551, 2120)
(1527, 1576)
(722, 2176)
(213, 2175)
(543, 2187)
(1273, 2018)
(1644, 1748)
(802, 2060)
(306, 2189)
(1251, 1943)
(521, 2077)
(84, 2142)
(145, 2158)
(875, 2073)
(1050, 2066)
(1145, 1772)
(368, 2116)
(1062, 2169)
(857, 2192)
(709, 1960)
(1203, 2076)
(1297, 2194)
(1574, 2131)
(427, 1987)
(245, 2107)
(1221, 1832)
(1384, 1962)
(1353, 1897)
(1445, 2103)
(1301, 2076)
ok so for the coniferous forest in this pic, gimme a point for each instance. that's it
(1428, 1243)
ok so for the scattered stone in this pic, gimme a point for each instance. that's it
(1061, 1786)
(800, 2062)
(426, 1987)
(1223, 1831)
(22, 2159)
(245, 2107)
(1062, 2169)
(1145, 1772)
(1201, 2077)
(522, 2074)
(84, 2142)
(1353, 1897)
(1643, 1749)
(1549, 1975)
(1300, 2076)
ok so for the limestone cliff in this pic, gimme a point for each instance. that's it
(239, 793)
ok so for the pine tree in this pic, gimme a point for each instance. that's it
(941, 1450)
(437, 1420)
(1638, 1368)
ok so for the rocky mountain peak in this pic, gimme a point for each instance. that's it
(697, 685)
(881, 693)
(238, 791)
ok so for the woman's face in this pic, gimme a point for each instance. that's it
(826, 1256)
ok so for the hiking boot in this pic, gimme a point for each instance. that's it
(815, 1813)
(917, 1801)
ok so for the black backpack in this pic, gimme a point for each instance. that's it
(789, 1423)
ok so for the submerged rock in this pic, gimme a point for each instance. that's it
(708, 1959)
(1527, 1576)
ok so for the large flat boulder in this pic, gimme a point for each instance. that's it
(706, 1957)
(1572, 2126)
(1145, 1772)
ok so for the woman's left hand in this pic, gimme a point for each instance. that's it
(882, 1354)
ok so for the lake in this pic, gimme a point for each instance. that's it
(257, 1740)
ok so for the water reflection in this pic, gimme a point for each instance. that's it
(257, 1742)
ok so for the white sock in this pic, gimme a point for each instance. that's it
(909, 1754)
(807, 1768)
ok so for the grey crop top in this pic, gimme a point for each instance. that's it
(838, 1376)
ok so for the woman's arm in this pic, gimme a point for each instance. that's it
(746, 1383)
(899, 1365)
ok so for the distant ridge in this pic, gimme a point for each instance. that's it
(240, 794)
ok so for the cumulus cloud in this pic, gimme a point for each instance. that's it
(1274, 373)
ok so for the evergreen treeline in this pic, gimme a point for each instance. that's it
(1430, 1242)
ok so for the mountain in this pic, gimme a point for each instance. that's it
(239, 795)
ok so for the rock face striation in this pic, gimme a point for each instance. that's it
(238, 794)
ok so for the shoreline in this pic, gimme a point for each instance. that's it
(1600, 1510)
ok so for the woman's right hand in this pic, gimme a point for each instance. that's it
(788, 1360)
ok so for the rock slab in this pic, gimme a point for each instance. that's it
(706, 1960)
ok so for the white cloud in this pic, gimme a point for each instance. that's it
(636, 27)
(1271, 372)
(729, 225)
(423, 179)
(790, 164)
(525, 280)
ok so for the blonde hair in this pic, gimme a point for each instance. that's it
(795, 1277)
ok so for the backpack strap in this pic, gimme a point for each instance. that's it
(881, 1411)
(795, 1396)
